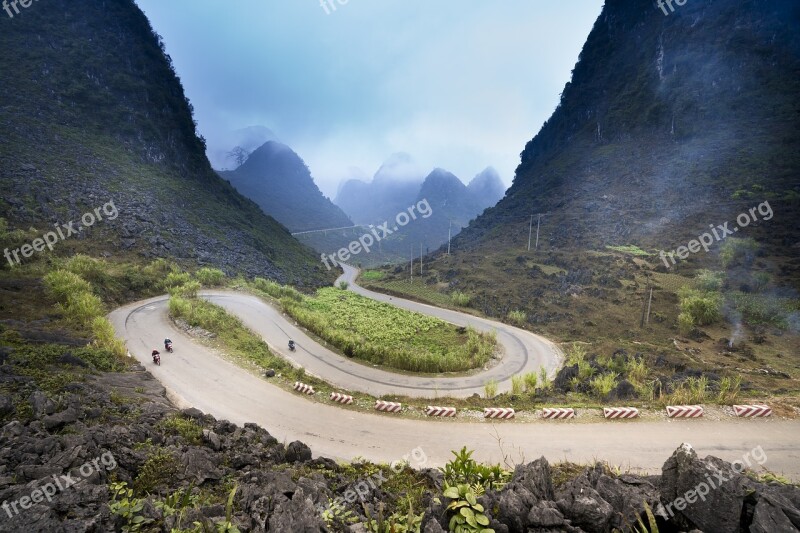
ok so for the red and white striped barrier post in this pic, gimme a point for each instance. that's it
(388, 407)
(498, 412)
(749, 411)
(558, 412)
(433, 410)
(684, 411)
(620, 412)
(302, 387)
(338, 397)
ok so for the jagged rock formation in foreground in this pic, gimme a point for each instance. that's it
(122, 426)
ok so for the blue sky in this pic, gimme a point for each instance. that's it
(458, 85)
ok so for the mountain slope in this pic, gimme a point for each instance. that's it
(671, 129)
(94, 112)
(278, 180)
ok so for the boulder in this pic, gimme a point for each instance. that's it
(297, 452)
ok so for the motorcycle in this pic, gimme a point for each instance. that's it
(168, 347)
(291, 346)
(157, 359)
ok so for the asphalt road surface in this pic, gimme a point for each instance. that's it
(197, 376)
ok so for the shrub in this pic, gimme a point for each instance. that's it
(490, 388)
(187, 290)
(576, 354)
(175, 279)
(210, 277)
(517, 385)
(276, 290)
(685, 323)
(343, 285)
(531, 379)
(90, 269)
(518, 318)
(61, 284)
(159, 469)
(105, 338)
(81, 309)
(191, 431)
(709, 280)
(703, 307)
(603, 384)
(543, 378)
(460, 299)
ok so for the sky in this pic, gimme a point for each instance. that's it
(457, 85)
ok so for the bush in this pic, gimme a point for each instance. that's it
(90, 269)
(175, 279)
(460, 299)
(531, 379)
(187, 290)
(703, 307)
(191, 431)
(276, 290)
(61, 284)
(518, 318)
(158, 470)
(210, 277)
(105, 337)
(603, 384)
(685, 323)
(343, 285)
(517, 385)
(490, 389)
(81, 309)
(709, 280)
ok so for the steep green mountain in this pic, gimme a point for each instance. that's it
(93, 112)
(278, 180)
(671, 127)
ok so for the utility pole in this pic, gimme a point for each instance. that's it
(530, 230)
(448, 237)
(412, 263)
(644, 310)
(420, 259)
(538, 223)
(650, 301)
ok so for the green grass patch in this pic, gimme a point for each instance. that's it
(386, 335)
(630, 249)
(372, 275)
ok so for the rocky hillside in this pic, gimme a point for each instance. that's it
(94, 113)
(278, 180)
(669, 123)
(65, 457)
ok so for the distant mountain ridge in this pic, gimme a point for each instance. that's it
(278, 180)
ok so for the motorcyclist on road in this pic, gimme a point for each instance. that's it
(156, 356)
(291, 344)
(167, 344)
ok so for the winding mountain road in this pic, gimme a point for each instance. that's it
(197, 376)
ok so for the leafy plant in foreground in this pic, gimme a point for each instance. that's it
(468, 515)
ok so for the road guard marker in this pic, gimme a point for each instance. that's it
(558, 412)
(433, 410)
(748, 411)
(302, 387)
(684, 411)
(498, 412)
(620, 412)
(338, 397)
(388, 407)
